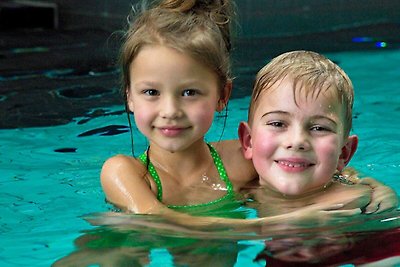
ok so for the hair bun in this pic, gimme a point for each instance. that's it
(178, 5)
(219, 11)
(199, 6)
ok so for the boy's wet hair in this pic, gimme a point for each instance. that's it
(312, 74)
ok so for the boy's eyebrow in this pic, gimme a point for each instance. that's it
(316, 117)
(324, 117)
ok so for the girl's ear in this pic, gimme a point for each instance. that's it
(245, 140)
(348, 151)
(225, 95)
(129, 99)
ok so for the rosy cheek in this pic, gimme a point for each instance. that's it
(141, 119)
(204, 114)
(330, 150)
(263, 146)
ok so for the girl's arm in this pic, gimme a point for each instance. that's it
(125, 186)
(200, 225)
(383, 197)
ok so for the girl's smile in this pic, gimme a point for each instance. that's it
(172, 131)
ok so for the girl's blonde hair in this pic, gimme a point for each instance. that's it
(311, 73)
(199, 28)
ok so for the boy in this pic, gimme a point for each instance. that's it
(297, 134)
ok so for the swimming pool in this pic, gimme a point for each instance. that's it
(50, 175)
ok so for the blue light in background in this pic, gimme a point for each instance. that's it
(381, 44)
(366, 39)
(362, 39)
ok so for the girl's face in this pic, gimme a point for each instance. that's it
(296, 148)
(173, 97)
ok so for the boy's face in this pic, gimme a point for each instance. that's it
(296, 148)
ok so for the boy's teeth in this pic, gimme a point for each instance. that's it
(291, 164)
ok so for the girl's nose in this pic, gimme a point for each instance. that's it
(170, 108)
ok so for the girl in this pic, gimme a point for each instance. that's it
(176, 74)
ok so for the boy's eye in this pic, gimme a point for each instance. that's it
(189, 92)
(319, 128)
(277, 124)
(151, 92)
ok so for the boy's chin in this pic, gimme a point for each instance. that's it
(291, 191)
(282, 190)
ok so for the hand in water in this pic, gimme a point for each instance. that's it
(383, 199)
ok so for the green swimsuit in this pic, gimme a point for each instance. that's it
(221, 170)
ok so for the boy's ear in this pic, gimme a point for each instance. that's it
(225, 95)
(348, 151)
(245, 140)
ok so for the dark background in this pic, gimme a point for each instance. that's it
(58, 58)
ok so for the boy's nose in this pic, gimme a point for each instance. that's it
(297, 146)
(298, 140)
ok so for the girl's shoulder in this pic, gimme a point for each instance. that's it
(122, 163)
(121, 169)
(124, 181)
(240, 170)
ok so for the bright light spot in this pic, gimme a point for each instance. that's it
(381, 44)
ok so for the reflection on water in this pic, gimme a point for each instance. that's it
(139, 240)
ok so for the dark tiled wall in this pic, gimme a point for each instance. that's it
(105, 14)
(256, 17)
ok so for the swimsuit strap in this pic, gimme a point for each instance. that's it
(218, 164)
(150, 167)
(221, 169)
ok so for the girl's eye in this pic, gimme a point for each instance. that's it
(151, 92)
(189, 92)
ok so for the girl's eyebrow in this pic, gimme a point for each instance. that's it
(146, 83)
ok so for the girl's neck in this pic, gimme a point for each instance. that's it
(195, 157)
